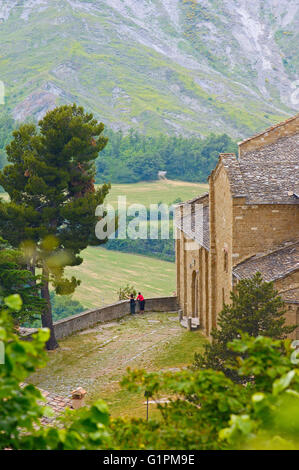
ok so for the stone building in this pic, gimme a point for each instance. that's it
(248, 222)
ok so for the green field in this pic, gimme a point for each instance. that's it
(158, 191)
(103, 272)
(152, 192)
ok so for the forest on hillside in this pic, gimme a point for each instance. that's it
(133, 157)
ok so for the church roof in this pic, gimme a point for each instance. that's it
(270, 129)
(275, 265)
(196, 227)
(267, 175)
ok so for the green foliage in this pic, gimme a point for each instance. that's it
(86, 429)
(255, 309)
(63, 306)
(158, 248)
(50, 181)
(161, 249)
(209, 411)
(271, 419)
(21, 409)
(16, 279)
(126, 291)
(7, 125)
(184, 424)
(135, 157)
(205, 410)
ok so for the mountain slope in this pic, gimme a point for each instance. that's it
(178, 66)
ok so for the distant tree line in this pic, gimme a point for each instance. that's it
(162, 249)
(135, 157)
(156, 248)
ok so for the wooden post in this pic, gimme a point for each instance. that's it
(189, 323)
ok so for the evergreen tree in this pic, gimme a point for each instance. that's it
(255, 309)
(7, 125)
(16, 279)
(50, 181)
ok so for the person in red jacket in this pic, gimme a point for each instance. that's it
(141, 301)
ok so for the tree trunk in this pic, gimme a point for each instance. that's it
(47, 320)
(31, 268)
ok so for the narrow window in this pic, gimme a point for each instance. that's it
(225, 263)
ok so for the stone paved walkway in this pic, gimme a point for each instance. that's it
(97, 359)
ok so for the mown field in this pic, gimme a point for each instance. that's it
(147, 193)
(103, 272)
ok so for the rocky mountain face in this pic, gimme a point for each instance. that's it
(176, 66)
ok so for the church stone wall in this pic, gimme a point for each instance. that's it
(193, 261)
(221, 216)
(288, 288)
(238, 230)
(258, 228)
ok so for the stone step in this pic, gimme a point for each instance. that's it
(195, 325)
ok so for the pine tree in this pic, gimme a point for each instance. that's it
(16, 279)
(255, 309)
(50, 181)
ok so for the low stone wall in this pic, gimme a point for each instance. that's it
(88, 319)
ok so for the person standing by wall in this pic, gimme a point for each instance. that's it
(141, 301)
(132, 304)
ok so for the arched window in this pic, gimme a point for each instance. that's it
(225, 260)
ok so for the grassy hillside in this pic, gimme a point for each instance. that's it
(103, 272)
(178, 67)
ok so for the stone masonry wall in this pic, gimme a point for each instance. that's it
(88, 319)
(221, 234)
(192, 270)
(288, 288)
(258, 228)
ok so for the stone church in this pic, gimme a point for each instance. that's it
(247, 222)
